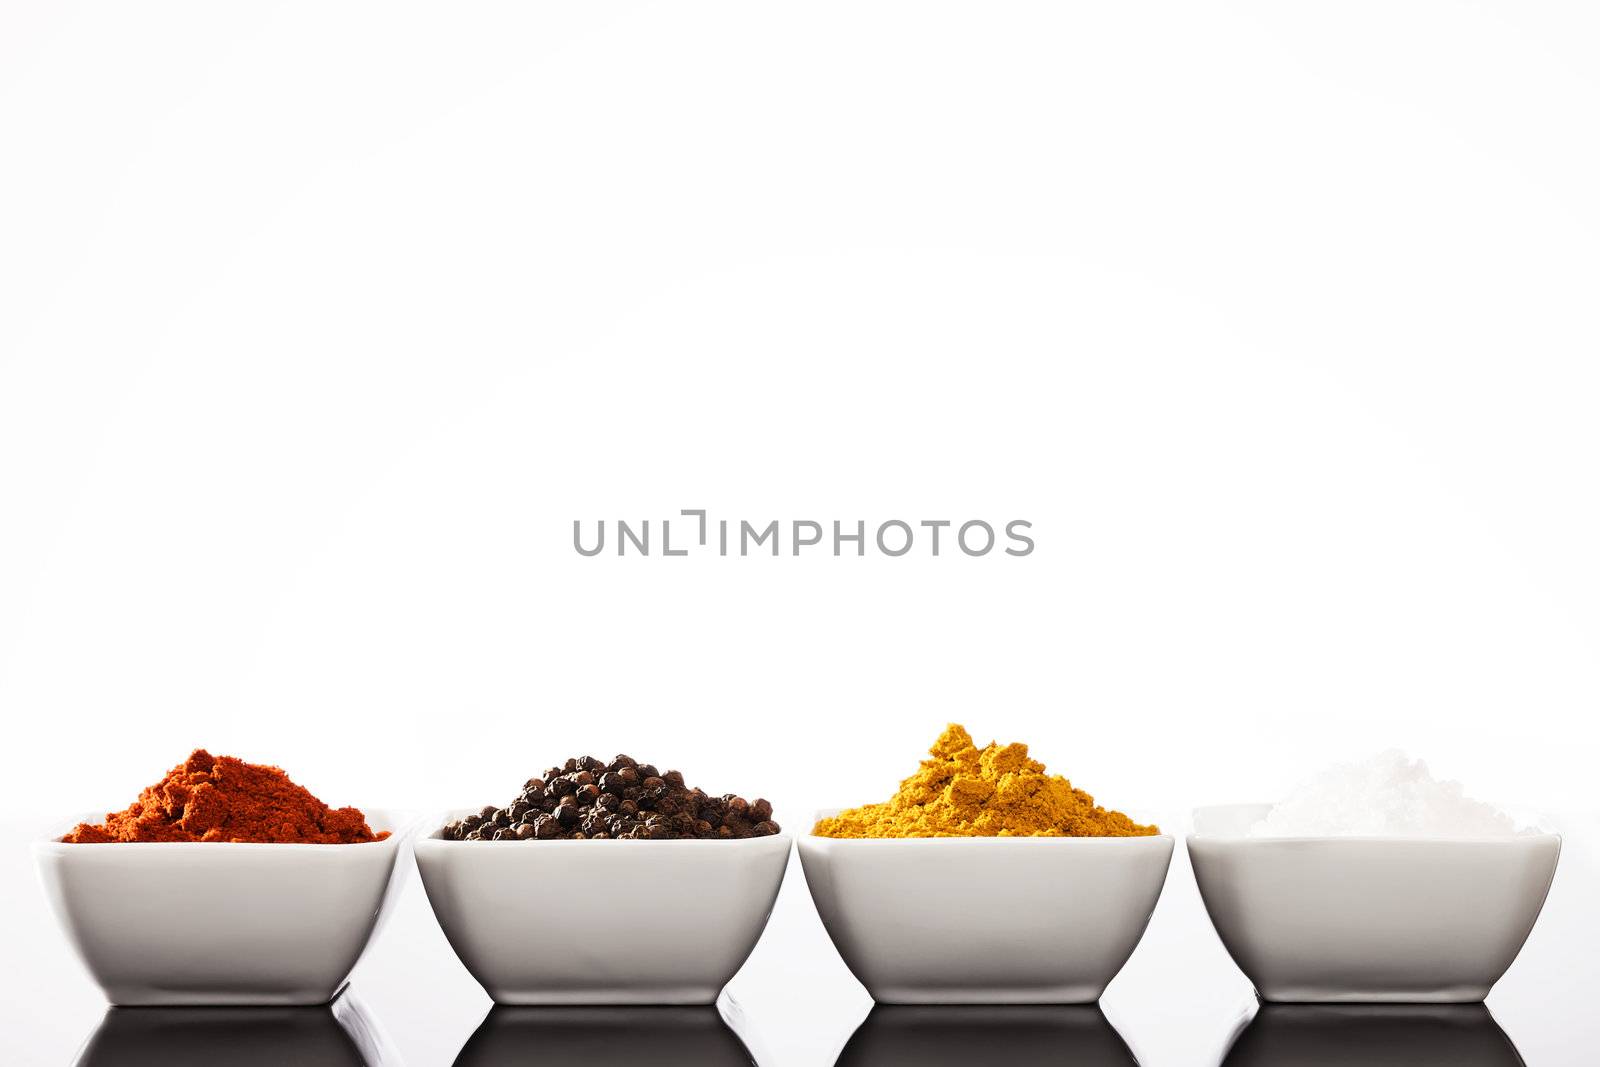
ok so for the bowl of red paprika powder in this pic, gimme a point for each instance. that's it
(223, 884)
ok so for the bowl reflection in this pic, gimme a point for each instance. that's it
(960, 1036)
(1389, 1035)
(337, 1035)
(601, 1037)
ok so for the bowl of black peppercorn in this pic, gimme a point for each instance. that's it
(584, 864)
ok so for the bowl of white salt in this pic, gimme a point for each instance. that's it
(1372, 883)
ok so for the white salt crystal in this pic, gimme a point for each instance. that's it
(1386, 796)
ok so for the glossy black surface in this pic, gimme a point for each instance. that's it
(1309, 1035)
(890, 1036)
(895, 1036)
(602, 1037)
(205, 1037)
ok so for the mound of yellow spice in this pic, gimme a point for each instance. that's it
(995, 791)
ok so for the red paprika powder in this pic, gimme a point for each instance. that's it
(219, 798)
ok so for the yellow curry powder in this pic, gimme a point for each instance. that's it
(965, 791)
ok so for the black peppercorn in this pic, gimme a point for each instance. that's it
(585, 799)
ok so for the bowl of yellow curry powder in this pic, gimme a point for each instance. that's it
(984, 880)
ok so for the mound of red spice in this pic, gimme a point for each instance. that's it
(220, 798)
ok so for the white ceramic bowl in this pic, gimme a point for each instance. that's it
(1369, 919)
(986, 920)
(602, 922)
(224, 923)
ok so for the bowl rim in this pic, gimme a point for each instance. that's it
(989, 840)
(1526, 837)
(1033, 840)
(402, 824)
(430, 839)
(1364, 839)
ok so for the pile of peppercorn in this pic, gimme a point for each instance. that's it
(586, 799)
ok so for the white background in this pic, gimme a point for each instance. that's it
(320, 323)
(323, 322)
